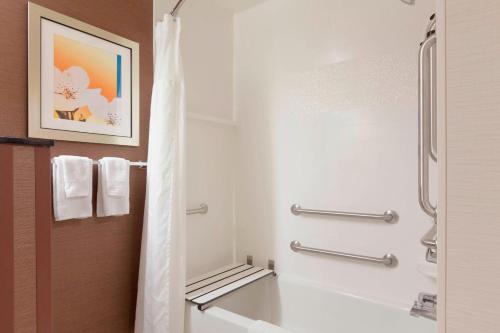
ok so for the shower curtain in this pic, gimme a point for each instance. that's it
(160, 297)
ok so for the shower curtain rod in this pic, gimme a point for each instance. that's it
(177, 7)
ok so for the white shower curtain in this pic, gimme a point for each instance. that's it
(160, 297)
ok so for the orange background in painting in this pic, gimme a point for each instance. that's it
(100, 65)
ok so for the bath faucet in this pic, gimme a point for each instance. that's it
(426, 306)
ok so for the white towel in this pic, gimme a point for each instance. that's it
(113, 188)
(260, 326)
(72, 183)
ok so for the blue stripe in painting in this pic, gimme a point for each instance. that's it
(118, 76)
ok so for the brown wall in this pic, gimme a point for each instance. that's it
(6, 240)
(94, 262)
(24, 239)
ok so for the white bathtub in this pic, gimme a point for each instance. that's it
(299, 307)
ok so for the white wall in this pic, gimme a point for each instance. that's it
(326, 100)
(207, 54)
(207, 47)
(207, 39)
(208, 57)
(210, 166)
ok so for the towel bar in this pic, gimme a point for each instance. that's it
(139, 164)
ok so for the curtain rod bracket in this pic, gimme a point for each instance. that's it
(177, 7)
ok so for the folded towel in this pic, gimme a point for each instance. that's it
(260, 326)
(77, 175)
(117, 171)
(72, 183)
(113, 188)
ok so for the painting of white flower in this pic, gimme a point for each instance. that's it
(87, 83)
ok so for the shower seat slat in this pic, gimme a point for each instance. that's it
(222, 283)
(220, 292)
(217, 278)
(213, 285)
(212, 273)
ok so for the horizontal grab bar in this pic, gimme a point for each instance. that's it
(389, 216)
(202, 210)
(388, 260)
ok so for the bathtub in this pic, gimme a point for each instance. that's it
(285, 304)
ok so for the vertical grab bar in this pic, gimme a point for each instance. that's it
(433, 103)
(430, 31)
(424, 121)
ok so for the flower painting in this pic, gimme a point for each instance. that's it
(88, 81)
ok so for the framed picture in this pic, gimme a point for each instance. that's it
(83, 82)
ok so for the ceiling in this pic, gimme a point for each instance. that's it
(238, 5)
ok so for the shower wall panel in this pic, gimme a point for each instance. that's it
(326, 100)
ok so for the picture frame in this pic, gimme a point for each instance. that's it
(83, 82)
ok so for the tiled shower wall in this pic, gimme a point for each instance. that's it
(326, 100)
